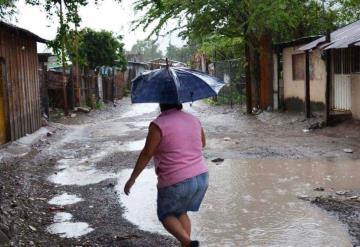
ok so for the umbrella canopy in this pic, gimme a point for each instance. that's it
(174, 86)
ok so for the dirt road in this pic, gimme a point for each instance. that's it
(60, 189)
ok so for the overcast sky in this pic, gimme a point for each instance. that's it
(107, 15)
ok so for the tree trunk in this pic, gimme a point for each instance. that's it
(266, 71)
(66, 112)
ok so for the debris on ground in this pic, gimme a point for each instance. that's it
(346, 208)
(306, 130)
(82, 109)
(317, 125)
(32, 228)
(227, 138)
(217, 160)
(319, 189)
(72, 115)
(341, 193)
(304, 197)
(53, 209)
(348, 150)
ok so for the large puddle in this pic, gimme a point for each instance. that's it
(254, 203)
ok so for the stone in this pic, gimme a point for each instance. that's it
(73, 115)
(348, 150)
(319, 189)
(83, 109)
(227, 138)
(32, 228)
(340, 193)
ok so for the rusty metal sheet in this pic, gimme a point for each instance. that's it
(341, 38)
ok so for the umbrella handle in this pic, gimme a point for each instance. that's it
(192, 98)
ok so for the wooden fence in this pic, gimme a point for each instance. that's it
(113, 87)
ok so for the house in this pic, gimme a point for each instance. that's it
(289, 76)
(19, 82)
(324, 74)
(133, 70)
(161, 63)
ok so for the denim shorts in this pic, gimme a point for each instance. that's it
(182, 197)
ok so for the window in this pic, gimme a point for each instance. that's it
(298, 67)
(346, 61)
(355, 59)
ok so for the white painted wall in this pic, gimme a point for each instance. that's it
(296, 88)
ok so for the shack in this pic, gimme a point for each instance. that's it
(323, 74)
(289, 75)
(19, 82)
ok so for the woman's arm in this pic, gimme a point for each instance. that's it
(203, 138)
(152, 142)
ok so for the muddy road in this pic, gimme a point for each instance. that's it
(63, 184)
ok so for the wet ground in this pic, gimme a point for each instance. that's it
(66, 188)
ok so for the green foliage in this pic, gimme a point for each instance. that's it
(235, 98)
(97, 48)
(218, 47)
(284, 19)
(183, 54)
(148, 48)
(126, 92)
(67, 11)
(99, 105)
(7, 9)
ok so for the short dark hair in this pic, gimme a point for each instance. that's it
(165, 107)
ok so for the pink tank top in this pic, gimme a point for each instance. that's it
(179, 155)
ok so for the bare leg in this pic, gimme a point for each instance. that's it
(186, 223)
(174, 226)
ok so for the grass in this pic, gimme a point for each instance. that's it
(225, 99)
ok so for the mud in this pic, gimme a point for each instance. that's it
(85, 155)
(347, 208)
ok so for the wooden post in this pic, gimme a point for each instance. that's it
(248, 81)
(307, 84)
(280, 102)
(328, 82)
(64, 79)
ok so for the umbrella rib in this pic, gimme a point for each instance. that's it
(176, 81)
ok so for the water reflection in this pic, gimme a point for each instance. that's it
(254, 203)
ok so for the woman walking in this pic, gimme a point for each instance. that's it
(175, 141)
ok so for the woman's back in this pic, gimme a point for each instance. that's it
(179, 155)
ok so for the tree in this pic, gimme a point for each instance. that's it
(148, 48)
(257, 22)
(99, 48)
(183, 54)
(7, 8)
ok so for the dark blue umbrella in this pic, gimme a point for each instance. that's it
(173, 86)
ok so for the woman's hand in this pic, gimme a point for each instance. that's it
(128, 186)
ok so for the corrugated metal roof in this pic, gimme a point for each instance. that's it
(341, 38)
(23, 31)
(296, 42)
